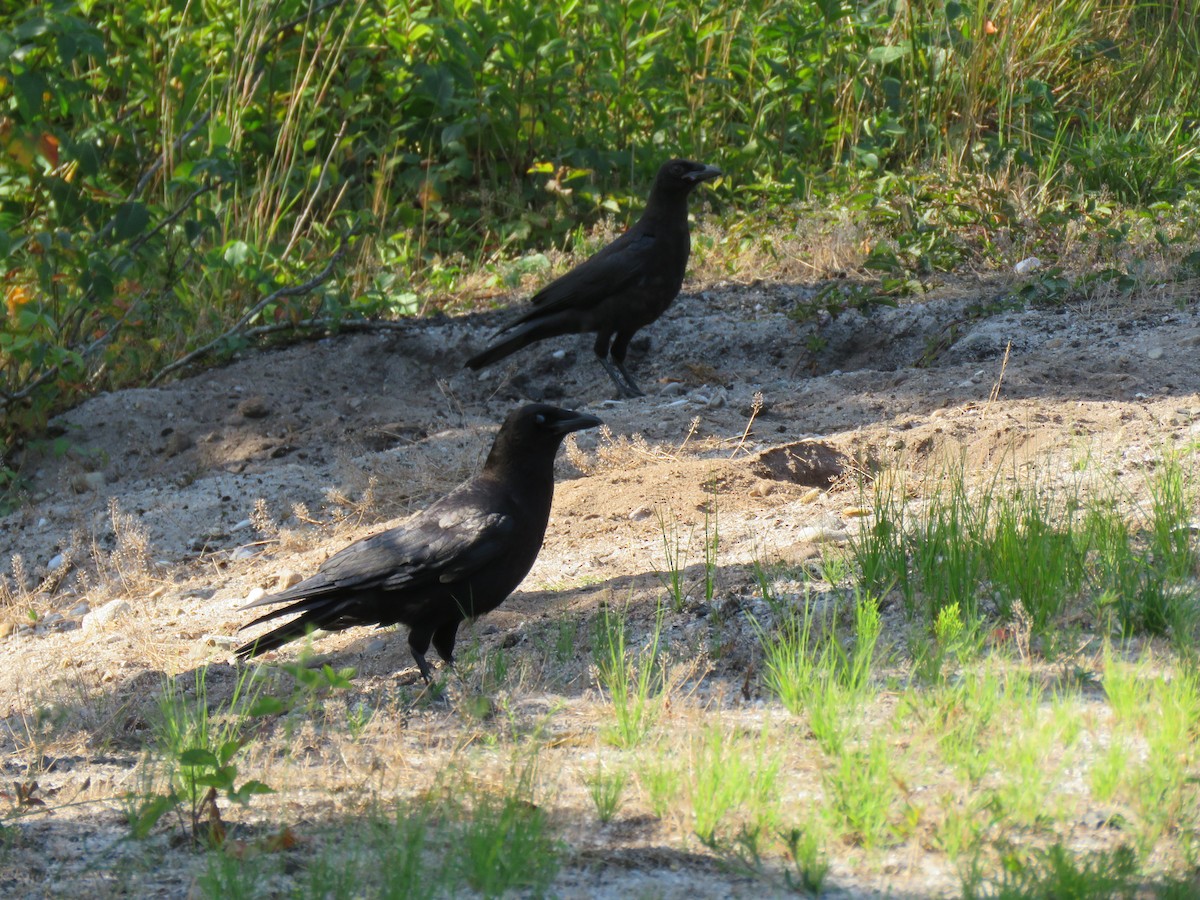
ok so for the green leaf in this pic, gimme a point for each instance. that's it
(148, 813)
(198, 756)
(249, 789)
(266, 706)
(237, 253)
(228, 749)
(130, 220)
(888, 53)
(29, 88)
(30, 29)
(221, 778)
(220, 134)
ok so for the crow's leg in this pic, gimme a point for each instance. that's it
(603, 339)
(625, 387)
(418, 642)
(619, 348)
(443, 641)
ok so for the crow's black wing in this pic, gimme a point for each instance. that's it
(616, 268)
(449, 541)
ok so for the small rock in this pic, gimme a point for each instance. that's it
(177, 442)
(224, 641)
(856, 512)
(642, 512)
(674, 389)
(1155, 353)
(55, 562)
(254, 408)
(287, 578)
(719, 398)
(376, 646)
(255, 595)
(206, 540)
(811, 496)
(242, 553)
(52, 619)
(105, 615)
(88, 481)
(245, 523)
(78, 610)
(6, 628)
(761, 489)
(816, 534)
(1029, 264)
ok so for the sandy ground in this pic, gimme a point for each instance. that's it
(154, 504)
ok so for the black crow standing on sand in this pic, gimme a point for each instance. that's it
(624, 287)
(458, 559)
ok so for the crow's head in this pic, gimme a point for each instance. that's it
(683, 174)
(537, 428)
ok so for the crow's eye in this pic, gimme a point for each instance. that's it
(540, 419)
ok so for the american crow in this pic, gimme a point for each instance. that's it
(458, 559)
(624, 287)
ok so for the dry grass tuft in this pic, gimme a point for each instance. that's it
(127, 567)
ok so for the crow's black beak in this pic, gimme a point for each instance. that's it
(576, 422)
(708, 173)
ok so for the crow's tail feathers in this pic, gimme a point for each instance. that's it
(272, 640)
(317, 612)
(525, 334)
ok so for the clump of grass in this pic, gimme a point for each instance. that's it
(676, 554)
(1035, 551)
(662, 780)
(953, 641)
(634, 681)
(808, 858)
(505, 844)
(605, 789)
(730, 774)
(966, 713)
(1057, 873)
(816, 674)
(862, 792)
(1159, 717)
(127, 566)
(198, 748)
(236, 877)
(1030, 757)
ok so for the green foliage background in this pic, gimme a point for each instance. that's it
(168, 166)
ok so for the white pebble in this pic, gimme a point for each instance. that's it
(815, 534)
(105, 615)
